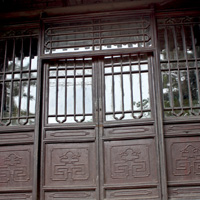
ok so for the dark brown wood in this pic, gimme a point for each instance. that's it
(154, 158)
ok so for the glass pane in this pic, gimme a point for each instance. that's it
(184, 86)
(34, 57)
(18, 56)
(70, 96)
(126, 91)
(6, 105)
(18, 91)
(2, 54)
(61, 96)
(194, 88)
(52, 96)
(70, 91)
(180, 69)
(26, 51)
(108, 94)
(166, 89)
(88, 95)
(79, 96)
(145, 91)
(15, 98)
(24, 99)
(189, 46)
(9, 65)
(32, 97)
(136, 92)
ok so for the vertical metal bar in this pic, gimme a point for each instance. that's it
(83, 90)
(188, 71)
(11, 87)
(143, 31)
(100, 31)
(29, 80)
(20, 82)
(51, 40)
(113, 89)
(57, 94)
(196, 64)
(131, 86)
(122, 88)
(65, 92)
(75, 91)
(170, 77)
(93, 43)
(140, 82)
(3, 86)
(179, 78)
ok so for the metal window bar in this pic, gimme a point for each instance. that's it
(140, 83)
(179, 76)
(182, 110)
(11, 87)
(188, 72)
(136, 114)
(20, 82)
(170, 76)
(70, 65)
(18, 114)
(98, 27)
(57, 94)
(3, 83)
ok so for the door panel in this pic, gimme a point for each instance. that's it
(99, 139)
(127, 134)
(179, 66)
(69, 140)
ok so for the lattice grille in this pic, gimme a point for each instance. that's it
(126, 87)
(180, 65)
(98, 34)
(18, 75)
(69, 91)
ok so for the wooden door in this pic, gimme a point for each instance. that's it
(99, 135)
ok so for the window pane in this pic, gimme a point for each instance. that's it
(180, 66)
(70, 91)
(126, 87)
(18, 81)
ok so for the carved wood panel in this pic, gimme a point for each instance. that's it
(131, 161)
(16, 167)
(70, 164)
(183, 160)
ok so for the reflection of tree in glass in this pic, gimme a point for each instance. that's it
(16, 96)
(178, 93)
(145, 104)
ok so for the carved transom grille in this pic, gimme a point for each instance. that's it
(98, 34)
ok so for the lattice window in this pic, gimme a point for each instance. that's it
(126, 80)
(69, 91)
(18, 75)
(180, 65)
(98, 34)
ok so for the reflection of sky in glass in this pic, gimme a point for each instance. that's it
(127, 92)
(75, 92)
